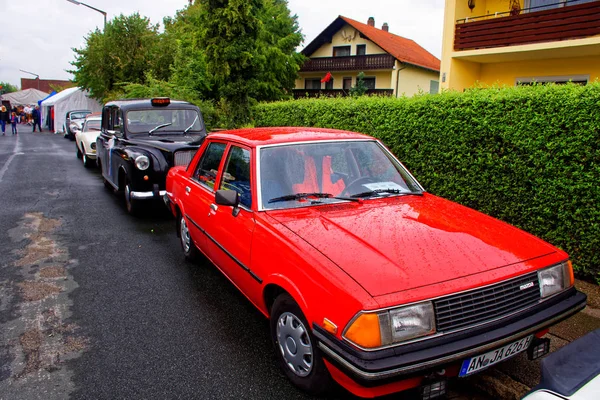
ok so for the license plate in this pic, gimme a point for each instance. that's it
(478, 363)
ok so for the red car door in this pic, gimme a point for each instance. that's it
(229, 232)
(199, 193)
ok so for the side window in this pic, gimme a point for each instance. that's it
(236, 175)
(208, 167)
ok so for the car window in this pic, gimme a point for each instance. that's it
(342, 169)
(206, 172)
(79, 115)
(172, 119)
(236, 175)
(93, 125)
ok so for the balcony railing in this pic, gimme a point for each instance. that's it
(350, 63)
(300, 93)
(531, 26)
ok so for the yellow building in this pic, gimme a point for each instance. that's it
(508, 42)
(392, 65)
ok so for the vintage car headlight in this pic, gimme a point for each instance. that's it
(74, 128)
(384, 328)
(142, 163)
(555, 279)
(93, 145)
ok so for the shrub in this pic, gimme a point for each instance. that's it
(527, 155)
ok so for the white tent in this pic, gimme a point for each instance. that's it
(68, 100)
(23, 97)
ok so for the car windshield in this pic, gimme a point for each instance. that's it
(159, 121)
(298, 175)
(92, 125)
(79, 115)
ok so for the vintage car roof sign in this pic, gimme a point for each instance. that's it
(160, 101)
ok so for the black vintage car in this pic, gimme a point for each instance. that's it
(141, 139)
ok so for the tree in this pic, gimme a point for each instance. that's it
(360, 88)
(6, 87)
(128, 48)
(250, 52)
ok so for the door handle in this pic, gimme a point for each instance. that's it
(188, 190)
(214, 207)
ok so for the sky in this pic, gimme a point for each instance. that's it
(38, 35)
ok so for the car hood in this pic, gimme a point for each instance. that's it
(88, 136)
(400, 243)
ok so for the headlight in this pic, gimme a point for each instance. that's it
(93, 145)
(555, 279)
(383, 328)
(142, 163)
(74, 127)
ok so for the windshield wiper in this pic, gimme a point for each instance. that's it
(190, 127)
(378, 191)
(158, 127)
(300, 196)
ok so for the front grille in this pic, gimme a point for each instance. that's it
(492, 302)
(184, 157)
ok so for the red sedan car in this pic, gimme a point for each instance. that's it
(367, 279)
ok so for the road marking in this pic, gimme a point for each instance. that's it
(16, 152)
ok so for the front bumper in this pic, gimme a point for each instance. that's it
(375, 368)
(154, 194)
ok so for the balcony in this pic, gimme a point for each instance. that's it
(301, 93)
(350, 63)
(531, 26)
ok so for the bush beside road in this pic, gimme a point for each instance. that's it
(529, 155)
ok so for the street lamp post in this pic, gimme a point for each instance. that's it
(37, 77)
(79, 3)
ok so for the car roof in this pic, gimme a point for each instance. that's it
(129, 104)
(254, 137)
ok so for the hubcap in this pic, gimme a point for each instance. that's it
(185, 236)
(294, 343)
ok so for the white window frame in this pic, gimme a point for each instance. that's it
(548, 79)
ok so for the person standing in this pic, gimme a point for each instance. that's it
(36, 118)
(14, 120)
(4, 119)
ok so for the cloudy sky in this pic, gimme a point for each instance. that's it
(37, 35)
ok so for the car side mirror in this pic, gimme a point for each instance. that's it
(227, 198)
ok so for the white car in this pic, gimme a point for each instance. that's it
(85, 139)
(572, 372)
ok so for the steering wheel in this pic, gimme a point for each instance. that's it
(353, 187)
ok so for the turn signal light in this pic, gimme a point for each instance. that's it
(364, 331)
(329, 326)
(146, 177)
(571, 276)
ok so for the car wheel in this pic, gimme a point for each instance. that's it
(187, 244)
(131, 204)
(79, 153)
(296, 348)
(86, 161)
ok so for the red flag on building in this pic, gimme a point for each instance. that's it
(327, 77)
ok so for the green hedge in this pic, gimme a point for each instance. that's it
(529, 156)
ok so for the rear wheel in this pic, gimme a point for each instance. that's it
(187, 244)
(296, 349)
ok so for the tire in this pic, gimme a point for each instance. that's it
(190, 252)
(86, 161)
(79, 153)
(132, 205)
(289, 331)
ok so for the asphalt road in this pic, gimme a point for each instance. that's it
(95, 304)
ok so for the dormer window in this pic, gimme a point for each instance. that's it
(341, 51)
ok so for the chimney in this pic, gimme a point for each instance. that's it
(385, 27)
(371, 22)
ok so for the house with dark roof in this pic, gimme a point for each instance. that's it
(392, 65)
